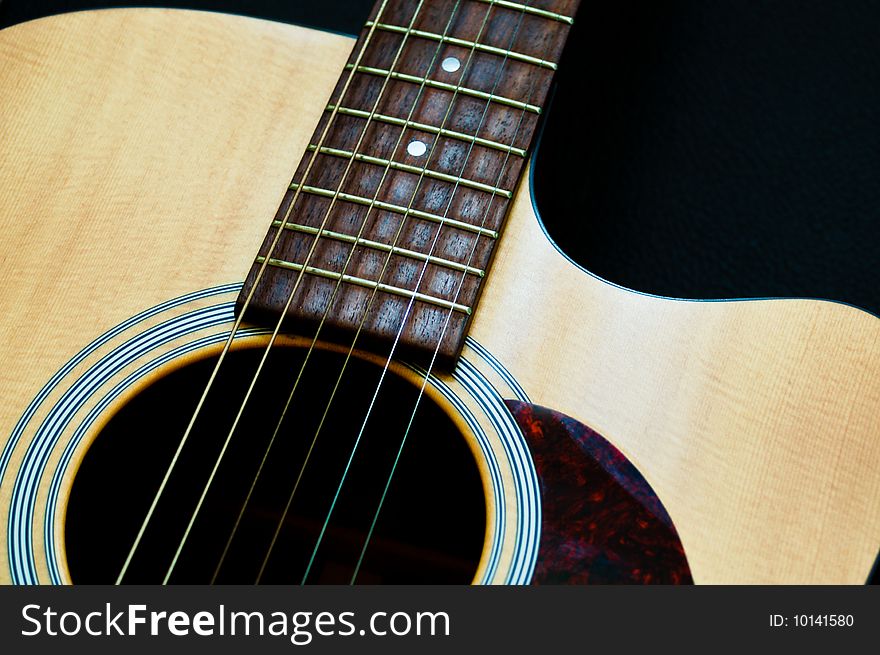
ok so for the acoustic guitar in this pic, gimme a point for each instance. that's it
(278, 307)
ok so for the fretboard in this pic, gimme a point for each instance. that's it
(388, 228)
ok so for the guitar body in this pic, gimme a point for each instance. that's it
(142, 154)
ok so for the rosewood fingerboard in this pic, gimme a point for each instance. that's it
(389, 225)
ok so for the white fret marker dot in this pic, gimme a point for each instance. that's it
(450, 64)
(416, 148)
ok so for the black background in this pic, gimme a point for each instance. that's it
(695, 148)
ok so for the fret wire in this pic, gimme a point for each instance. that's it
(480, 47)
(516, 6)
(384, 247)
(398, 209)
(424, 127)
(369, 284)
(482, 95)
(407, 168)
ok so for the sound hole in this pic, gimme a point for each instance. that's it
(431, 527)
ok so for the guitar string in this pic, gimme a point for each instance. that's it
(238, 321)
(290, 297)
(448, 317)
(412, 417)
(412, 299)
(367, 310)
(326, 313)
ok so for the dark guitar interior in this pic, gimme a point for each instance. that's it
(431, 528)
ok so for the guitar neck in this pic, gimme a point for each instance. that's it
(388, 227)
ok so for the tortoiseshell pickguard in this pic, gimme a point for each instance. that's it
(601, 521)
